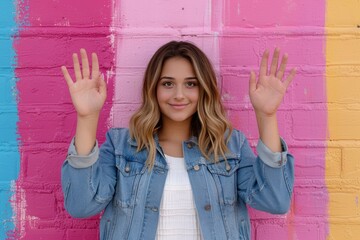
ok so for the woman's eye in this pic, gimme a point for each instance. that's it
(191, 84)
(167, 84)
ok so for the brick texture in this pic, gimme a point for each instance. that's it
(319, 117)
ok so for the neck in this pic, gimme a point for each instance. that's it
(175, 131)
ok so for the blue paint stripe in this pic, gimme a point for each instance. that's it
(9, 151)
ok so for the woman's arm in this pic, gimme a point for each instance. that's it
(266, 95)
(88, 94)
(87, 182)
(265, 182)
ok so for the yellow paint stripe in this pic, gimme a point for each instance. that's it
(343, 100)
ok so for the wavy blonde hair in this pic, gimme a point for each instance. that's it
(209, 123)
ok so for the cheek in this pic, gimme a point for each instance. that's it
(164, 94)
(195, 96)
(159, 94)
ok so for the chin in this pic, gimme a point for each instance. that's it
(179, 119)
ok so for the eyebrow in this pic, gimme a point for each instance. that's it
(171, 78)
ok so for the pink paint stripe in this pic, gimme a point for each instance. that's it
(249, 28)
(55, 29)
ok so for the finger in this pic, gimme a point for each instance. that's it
(275, 61)
(264, 64)
(95, 66)
(77, 69)
(85, 64)
(282, 68)
(291, 76)
(67, 76)
(252, 82)
(102, 86)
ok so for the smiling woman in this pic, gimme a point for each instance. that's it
(180, 157)
(177, 96)
(210, 115)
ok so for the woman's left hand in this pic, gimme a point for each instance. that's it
(267, 93)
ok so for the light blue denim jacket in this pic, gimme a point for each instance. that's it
(115, 178)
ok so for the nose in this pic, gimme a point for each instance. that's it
(179, 92)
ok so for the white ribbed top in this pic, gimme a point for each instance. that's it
(178, 220)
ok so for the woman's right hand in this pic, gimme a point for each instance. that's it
(88, 93)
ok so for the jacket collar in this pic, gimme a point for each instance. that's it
(133, 142)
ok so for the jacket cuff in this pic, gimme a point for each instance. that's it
(270, 158)
(77, 161)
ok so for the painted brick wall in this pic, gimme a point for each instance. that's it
(319, 117)
(49, 32)
(343, 87)
(9, 155)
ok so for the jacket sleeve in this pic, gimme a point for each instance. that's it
(265, 182)
(88, 182)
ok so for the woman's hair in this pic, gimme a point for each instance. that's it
(209, 123)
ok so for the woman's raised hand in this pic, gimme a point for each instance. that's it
(88, 93)
(267, 93)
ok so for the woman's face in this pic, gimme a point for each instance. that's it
(177, 90)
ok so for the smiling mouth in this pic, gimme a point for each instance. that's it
(178, 106)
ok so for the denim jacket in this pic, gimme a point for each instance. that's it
(115, 178)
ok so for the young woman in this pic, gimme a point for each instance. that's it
(180, 171)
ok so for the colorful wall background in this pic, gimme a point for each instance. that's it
(320, 116)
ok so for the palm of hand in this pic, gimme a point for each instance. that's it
(87, 94)
(267, 93)
(86, 97)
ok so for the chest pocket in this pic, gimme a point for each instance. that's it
(130, 171)
(224, 174)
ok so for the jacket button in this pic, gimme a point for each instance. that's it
(189, 145)
(207, 207)
(196, 167)
(127, 169)
(228, 167)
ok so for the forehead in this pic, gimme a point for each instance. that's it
(177, 65)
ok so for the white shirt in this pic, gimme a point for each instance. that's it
(178, 219)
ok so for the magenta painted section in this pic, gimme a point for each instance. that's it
(68, 13)
(250, 27)
(52, 31)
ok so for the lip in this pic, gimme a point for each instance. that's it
(178, 106)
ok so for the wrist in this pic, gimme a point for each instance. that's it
(268, 131)
(87, 124)
(85, 135)
(263, 115)
(92, 116)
